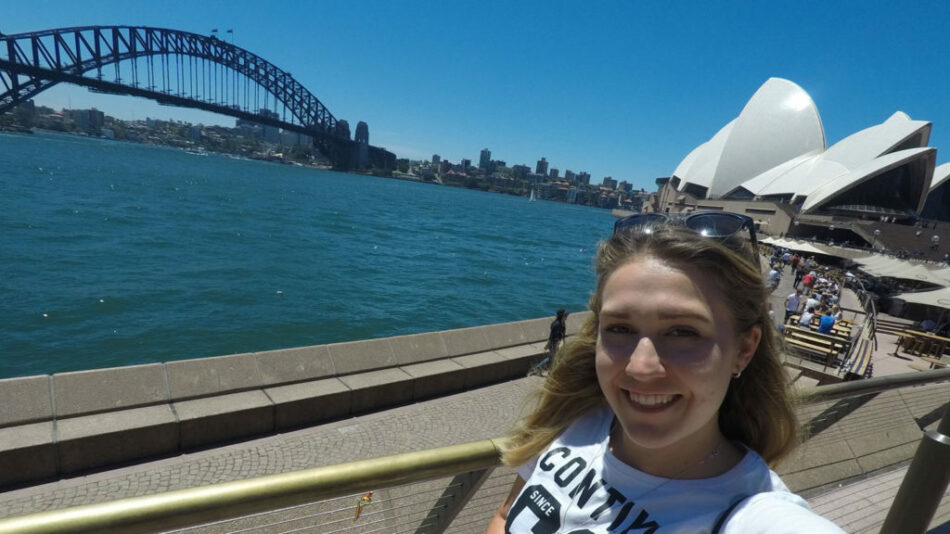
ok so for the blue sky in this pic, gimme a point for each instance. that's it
(616, 88)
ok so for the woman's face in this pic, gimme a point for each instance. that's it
(666, 350)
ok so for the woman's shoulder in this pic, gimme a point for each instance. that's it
(588, 430)
(757, 515)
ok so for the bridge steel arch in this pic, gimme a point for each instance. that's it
(186, 64)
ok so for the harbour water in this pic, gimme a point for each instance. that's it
(117, 254)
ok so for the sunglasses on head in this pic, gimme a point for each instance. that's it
(713, 224)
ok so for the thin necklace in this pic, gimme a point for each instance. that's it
(666, 480)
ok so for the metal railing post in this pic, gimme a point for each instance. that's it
(924, 483)
(456, 495)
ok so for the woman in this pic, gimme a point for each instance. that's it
(665, 411)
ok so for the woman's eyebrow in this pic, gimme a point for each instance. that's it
(664, 315)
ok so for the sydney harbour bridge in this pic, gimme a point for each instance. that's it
(183, 69)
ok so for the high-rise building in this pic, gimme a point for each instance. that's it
(610, 183)
(484, 160)
(520, 171)
(436, 159)
(542, 167)
(584, 178)
(553, 174)
(569, 175)
(466, 163)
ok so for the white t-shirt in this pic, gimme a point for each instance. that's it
(792, 302)
(578, 486)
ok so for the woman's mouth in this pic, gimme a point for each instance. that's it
(651, 402)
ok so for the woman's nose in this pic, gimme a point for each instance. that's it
(644, 360)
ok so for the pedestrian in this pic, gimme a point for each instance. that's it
(799, 274)
(665, 411)
(805, 320)
(836, 313)
(773, 278)
(826, 323)
(808, 280)
(558, 332)
(792, 303)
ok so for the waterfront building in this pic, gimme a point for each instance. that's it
(610, 183)
(466, 163)
(255, 130)
(484, 160)
(772, 160)
(87, 120)
(553, 174)
(570, 176)
(436, 159)
(288, 138)
(935, 207)
(520, 171)
(542, 167)
(584, 178)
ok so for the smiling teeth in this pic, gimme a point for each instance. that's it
(651, 400)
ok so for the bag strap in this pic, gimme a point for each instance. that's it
(725, 515)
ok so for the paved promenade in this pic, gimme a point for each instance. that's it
(469, 416)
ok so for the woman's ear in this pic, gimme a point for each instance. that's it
(748, 343)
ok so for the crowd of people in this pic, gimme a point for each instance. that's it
(817, 292)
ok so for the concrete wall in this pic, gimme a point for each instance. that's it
(73, 422)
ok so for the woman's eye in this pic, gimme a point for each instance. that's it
(683, 332)
(618, 329)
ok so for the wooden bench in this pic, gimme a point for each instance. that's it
(839, 329)
(825, 346)
(935, 362)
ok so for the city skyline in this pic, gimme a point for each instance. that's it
(622, 90)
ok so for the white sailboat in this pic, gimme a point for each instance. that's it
(532, 198)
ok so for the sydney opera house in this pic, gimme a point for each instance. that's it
(772, 162)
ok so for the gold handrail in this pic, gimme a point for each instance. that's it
(193, 506)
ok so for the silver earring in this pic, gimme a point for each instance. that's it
(738, 374)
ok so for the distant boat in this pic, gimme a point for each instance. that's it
(532, 197)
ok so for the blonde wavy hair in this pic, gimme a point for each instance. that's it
(757, 410)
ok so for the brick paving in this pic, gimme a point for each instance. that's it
(464, 417)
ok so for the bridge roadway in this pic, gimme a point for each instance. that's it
(858, 506)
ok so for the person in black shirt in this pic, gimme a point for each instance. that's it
(558, 331)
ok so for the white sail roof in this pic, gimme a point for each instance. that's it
(780, 122)
(775, 148)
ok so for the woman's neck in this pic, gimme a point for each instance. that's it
(702, 457)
